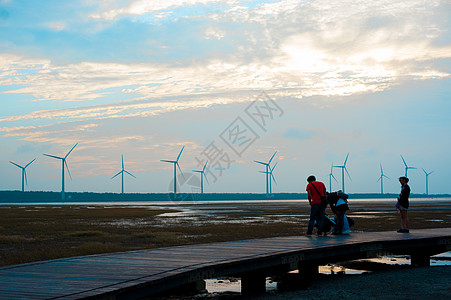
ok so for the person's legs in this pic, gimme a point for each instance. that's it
(404, 220)
(311, 221)
(339, 226)
(320, 218)
(315, 211)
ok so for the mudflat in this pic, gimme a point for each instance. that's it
(40, 232)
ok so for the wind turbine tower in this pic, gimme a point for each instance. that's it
(122, 172)
(406, 166)
(271, 177)
(267, 171)
(381, 178)
(63, 163)
(331, 175)
(176, 164)
(343, 169)
(427, 180)
(24, 172)
(202, 175)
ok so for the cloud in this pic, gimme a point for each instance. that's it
(214, 33)
(141, 7)
(297, 133)
(286, 48)
(57, 26)
(301, 133)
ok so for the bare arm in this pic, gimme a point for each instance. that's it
(309, 194)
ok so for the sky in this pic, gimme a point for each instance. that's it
(230, 81)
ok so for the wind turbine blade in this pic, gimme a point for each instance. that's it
(273, 178)
(259, 162)
(273, 167)
(348, 174)
(331, 167)
(346, 160)
(30, 163)
(180, 169)
(70, 150)
(386, 176)
(379, 179)
(272, 157)
(25, 175)
(169, 161)
(129, 173)
(67, 167)
(431, 172)
(203, 170)
(53, 156)
(333, 177)
(16, 164)
(405, 164)
(180, 153)
(413, 168)
(122, 162)
(382, 172)
(205, 175)
(116, 174)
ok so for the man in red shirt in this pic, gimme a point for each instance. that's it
(315, 189)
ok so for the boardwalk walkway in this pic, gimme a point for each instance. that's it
(134, 274)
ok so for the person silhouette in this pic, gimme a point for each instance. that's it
(403, 204)
(315, 190)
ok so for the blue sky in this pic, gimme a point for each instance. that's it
(144, 78)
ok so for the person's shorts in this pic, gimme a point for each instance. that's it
(399, 207)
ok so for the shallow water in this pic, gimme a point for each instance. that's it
(426, 201)
(233, 285)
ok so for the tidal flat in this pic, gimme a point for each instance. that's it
(47, 231)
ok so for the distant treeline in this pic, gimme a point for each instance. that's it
(49, 197)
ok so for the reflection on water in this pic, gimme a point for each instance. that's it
(331, 269)
(372, 202)
(233, 285)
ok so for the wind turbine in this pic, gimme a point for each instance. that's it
(267, 171)
(202, 175)
(331, 175)
(176, 164)
(122, 172)
(405, 164)
(63, 162)
(427, 179)
(271, 176)
(381, 178)
(24, 173)
(343, 169)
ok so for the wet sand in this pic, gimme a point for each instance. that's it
(47, 231)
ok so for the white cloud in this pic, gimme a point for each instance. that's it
(214, 33)
(299, 49)
(57, 26)
(141, 7)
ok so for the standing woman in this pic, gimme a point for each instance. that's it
(403, 204)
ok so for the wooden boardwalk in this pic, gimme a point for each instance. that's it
(135, 274)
